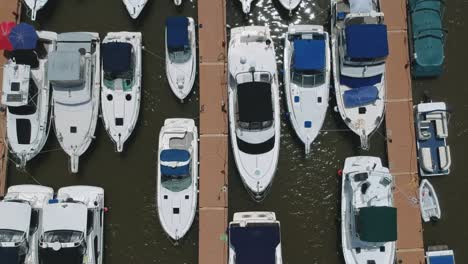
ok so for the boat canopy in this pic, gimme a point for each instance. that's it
(64, 66)
(309, 55)
(175, 155)
(116, 57)
(15, 216)
(10, 255)
(70, 216)
(366, 41)
(447, 259)
(360, 96)
(255, 243)
(177, 33)
(254, 102)
(378, 224)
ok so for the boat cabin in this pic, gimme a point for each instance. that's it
(14, 231)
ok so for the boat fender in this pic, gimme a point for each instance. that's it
(106, 209)
(340, 172)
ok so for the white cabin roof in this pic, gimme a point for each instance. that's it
(65, 216)
(15, 216)
(15, 84)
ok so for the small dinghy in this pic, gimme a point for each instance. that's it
(307, 79)
(177, 187)
(134, 7)
(246, 6)
(368, 215)
(26, 94)
(21, 223)
(34, 6)
(440, 255)
(181, 55)
(255, 237)
(432, 132)
(290, 4)
(121, 84)
(430, 208)
(359, 50)
(72, 229)
(254, 110)
(74, 70)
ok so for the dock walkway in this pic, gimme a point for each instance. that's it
(401, 143)
(213, 200)
(9, 11)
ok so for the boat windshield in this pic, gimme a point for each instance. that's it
(62, 236)
(308, 79)
(180, 55)
(12, 236)
(31, 107)
(176, 183)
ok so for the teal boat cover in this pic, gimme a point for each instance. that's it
(377, 224)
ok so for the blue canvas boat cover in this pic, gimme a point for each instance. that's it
(441, 260)
(255, 244)
(177, 33)
(116, 57)
(10, 255)
(353, 82)
(175, 155)
(360, 96)
(309, 55)
(366, 41)
(175, 171)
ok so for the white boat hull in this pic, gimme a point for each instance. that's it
(119, 103)
(430, 207)
(290, 4)
(34, 6)
(134, 7)
(246, 6)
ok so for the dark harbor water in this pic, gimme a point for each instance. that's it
(306, 191)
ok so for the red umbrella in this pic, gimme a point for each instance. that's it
(5, 29)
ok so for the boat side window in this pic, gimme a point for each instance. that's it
(253, 126)
(29, 108)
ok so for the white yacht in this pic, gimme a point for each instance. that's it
(74, 69)
(432, 132)
(21, 223)
(134, 7)
(290, 4)
(121, 84)
(26, 92)
(246, 6)
(34, 6)
(255, 237)
(307, 79)
(181, 55)
(368, 215)
(359, 50)
(73, 225)
(177, 187)
(254, 111)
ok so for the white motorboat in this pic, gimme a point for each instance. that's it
(177, 2)
(307, 79)
(34, 6)
(26, 92)
(440, 255)
(121, 84)
(177, 187)
(134, 7)
(432, 132)
(255, 237)
(246, 6)
(73, 226)
(368, 215)
(430, 207)
(359, 50)
(74, 69)
(181, 55)
(290, 4)
(254, 111)
(21, 223)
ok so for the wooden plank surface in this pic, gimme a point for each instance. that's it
(213, 237)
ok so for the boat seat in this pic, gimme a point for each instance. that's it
(440, 123)
(444, 157)
(426, 160)
(424, 133)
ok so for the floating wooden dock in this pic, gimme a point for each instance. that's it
(401, 142)
(213, 200)
(9, 11)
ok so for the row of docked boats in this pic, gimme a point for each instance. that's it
(37, 226)
(68, 78)
(288, 5)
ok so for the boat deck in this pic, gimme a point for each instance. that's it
(10, 11)
(213, 200)
(401, 142)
